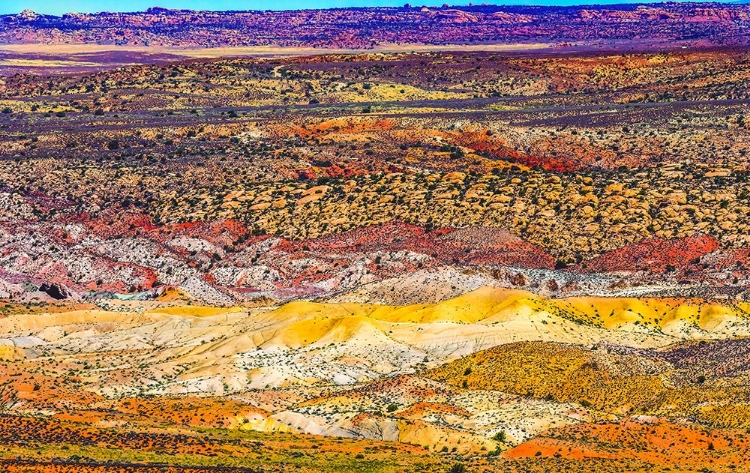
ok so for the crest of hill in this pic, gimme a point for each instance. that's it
(561, 372)
(660, 313)
(477, 313)
(476, 245)
(307, 322)
(471, 307)
(719, 358)
(614, 379)
(654, 254)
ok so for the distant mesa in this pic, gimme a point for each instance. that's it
(162, 10)
(28, 15)
(366, 28)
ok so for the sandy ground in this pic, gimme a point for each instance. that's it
(254, 50)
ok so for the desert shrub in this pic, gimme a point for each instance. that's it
(457, 468)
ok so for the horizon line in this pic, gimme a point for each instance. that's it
(406, 5)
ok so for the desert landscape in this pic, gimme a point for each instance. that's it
(414, 239)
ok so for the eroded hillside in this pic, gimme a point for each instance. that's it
(270, 178)
(487, 378)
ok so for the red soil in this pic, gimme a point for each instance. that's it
(653, 255)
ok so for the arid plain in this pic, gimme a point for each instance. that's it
(494, 249)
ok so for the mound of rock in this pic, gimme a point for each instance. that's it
(653, 255)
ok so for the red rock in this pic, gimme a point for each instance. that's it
(653, 255)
